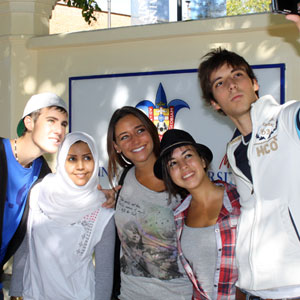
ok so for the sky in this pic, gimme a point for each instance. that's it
(117, 6)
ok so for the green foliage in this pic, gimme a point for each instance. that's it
(240, 7)
(88, 8)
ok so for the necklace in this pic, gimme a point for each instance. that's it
(17, 158)
(16, 152)
(243, 141)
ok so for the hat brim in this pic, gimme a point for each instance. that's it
(20, 128)
(202, 150)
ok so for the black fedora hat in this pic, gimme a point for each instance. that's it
(174, 138)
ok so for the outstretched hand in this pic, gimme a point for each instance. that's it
(110, 196)
(294, 18)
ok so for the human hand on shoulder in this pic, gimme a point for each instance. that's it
(109, 195)
(294, 18)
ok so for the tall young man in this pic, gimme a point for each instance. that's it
(264, 157)
(41, 130)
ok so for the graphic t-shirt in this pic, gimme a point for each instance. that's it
(149, 259)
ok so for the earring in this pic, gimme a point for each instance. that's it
(126, 160)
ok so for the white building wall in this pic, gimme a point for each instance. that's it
(36, 63)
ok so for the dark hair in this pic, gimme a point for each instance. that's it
(35, 114)
(214, 60)
(172, 188)
(114, 157)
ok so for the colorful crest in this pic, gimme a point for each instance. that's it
(161, 113)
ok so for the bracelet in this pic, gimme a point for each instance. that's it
(16, 298)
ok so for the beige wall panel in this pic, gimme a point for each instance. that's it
(167, 46)
(5, 97)
(262, 39)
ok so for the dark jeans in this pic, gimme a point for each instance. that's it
(1, 295)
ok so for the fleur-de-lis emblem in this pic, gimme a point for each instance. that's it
(161, 113)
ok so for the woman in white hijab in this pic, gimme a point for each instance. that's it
(66, 226)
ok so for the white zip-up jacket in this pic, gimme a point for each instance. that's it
(268, 245)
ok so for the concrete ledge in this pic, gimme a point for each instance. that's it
(161, 31)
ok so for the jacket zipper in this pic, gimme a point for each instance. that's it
(251, 186)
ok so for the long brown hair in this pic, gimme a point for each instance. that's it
(115, 158)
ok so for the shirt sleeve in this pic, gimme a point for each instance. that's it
(104, 261)
(290, 116)
(16, 283)
(297, 122)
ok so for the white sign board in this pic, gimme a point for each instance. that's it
(93, 99)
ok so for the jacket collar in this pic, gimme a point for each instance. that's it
(262, 109)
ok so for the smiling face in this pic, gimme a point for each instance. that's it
(186, 168)
(49, 130)
(79, 163)
(133, 140)
(233, 91)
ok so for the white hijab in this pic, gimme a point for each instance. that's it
(59, 197)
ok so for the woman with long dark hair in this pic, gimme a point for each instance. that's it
(150, 268)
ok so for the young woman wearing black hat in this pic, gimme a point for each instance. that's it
(206, 220)
(150, 267)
